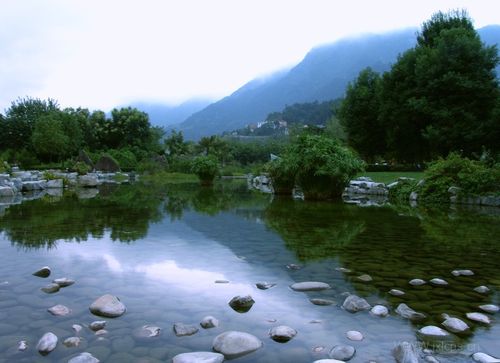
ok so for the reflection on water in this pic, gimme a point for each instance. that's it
(182, 238)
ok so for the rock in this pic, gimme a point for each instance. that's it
(379, 310)
(482, 289)
(405, 353)
(182, 330)
(343, 269)
(43, 272)
(77, 328)
(28, 186)
(354, 335)
(88, 181)
(50, 288)
(328, 361)
(72, 342)
(484, 358)
(97, 325)
(54, 184)
(408, 313)
(478, 317)
(455, 325)
(47, 343)
(64, 282)
(101, 332)
(108, 306)
(84, 358)
(417, 282)
(209, 322)
(430, 359)
(7, 191)
(292, 266)
(235, 344)
(198, 357)
(462, 273)
(282, 333)
(439, 282)
(59, 310)
(453, 190)
(84, 158)
(264, 285)
(433, 331)
(322, 302)
(241, 304)
(489, 308)
(22, 345)
(354, 303)
(107, 164)
(149, 331)
(221, 281)
(310, 286)
(396, 292)
(365, 278)
(342, 352)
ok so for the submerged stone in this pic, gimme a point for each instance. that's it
(198, 357)
(490, 308)
(282, 333)
(478, 317)
(396, 292)
(84, 358)
(455, 325)
(59, 310)
(209, 322)
(97, 325)
(264, 285)
(408, 313)
(322, 302)
(354, 335)
(354, 303)
(365, 278)
(47, 343)
(43, 272)
(439, 282)
(310, 286)
(50, 288)
(417, 282)
(72, 342)
(108, 306)
(182, 330)
(342, 352)
(462, 273)
(235, 344)
(379, 310)
(482, 289)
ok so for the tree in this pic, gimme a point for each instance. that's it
(49, 140)
(358, 114)
(206, 168)
(175, 145)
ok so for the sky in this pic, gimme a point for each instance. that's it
(105, 53)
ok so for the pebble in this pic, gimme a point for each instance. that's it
(417, 282)
(455, 325)
(342, 352)
(43, 272)
(478, 317)
(264, 285)
(462, 273)
(50, 288)
(108, 306)
(310, 286)
(408, 313)
(433, 331)
(84, 358)
(64, 282)
(354, 303)
(379, 310)
(241, 304)
(438, 282)
(59, 310)
(182, 330)
(365, 278)
(484, 358)
(482, 289)
(97, 325)
(151, 331)
(77, 328)
(235, 343)
(322, 302)
(354, 335)
(490, 308)
(22, 345)
(72, 342)
(396, 292)
(101, 332)
(198, 357)
(209, 322)
(47, 343)
(282, 333)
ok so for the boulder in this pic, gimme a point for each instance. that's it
(310, 286)
(84, 158)
(6, 191)
(182, 330)
(241, 304)
(108, 306)
(33, 185)
(88, 181)
(408, 313)
(405, 353)
(235, 344)
(354, 303)
(282, 333)
(47, 343)
(107, 164)
(84, 358)
(198, 357)
(342, 352)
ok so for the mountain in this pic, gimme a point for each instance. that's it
(322, 75)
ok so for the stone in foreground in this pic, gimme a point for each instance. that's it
(235, 344)
(490, 308)
(484, 358)
(433, 331)
(455, 325)
(408, 313)
(108, 306)
(354, 335)
(342, 352)
(198, 357)
(241, 304)
(47, 343)
(478, 317)
(43, 272)
(310, 286)
(209, 322)
(59, 310)
(282, 333)
(97, 325)
(182, 330)
(84, 358)
(405, 353)
(379, 310)
(354, 303)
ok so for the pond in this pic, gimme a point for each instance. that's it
(161, 249)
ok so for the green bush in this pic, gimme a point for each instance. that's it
(400, 193)
(206, 168)
(80, 167)
(282, 172)
(4, 167)
(125, 158)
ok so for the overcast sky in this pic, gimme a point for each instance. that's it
(104, 53)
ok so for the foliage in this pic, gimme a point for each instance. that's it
(124, 157)
(282, 172)
(4, 166)
(400, 193)
(49, 139)
(80, 167)
(206, 168)
(175, 145)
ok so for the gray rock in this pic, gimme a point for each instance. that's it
(417, 282)
(430, 359)
(182, 330)
(396, 292)
(438, 282)
(54, 184)
(63, 282)
(489, 308)
(72, 342)
(408, 313)
(6, 191)
(343, 269)
(264, 285)
(108, 306)
(413, 196)
(484, 358)
(101, 332)
(97, 325)
(50, 288)
(33, 185)
(433, 331)
(241, 304)
(462, 273)
(43, 272)
(328, 361)
(482, 289)
(365, 278)
(455, 325)
(293, 266)
(310, 286)
(209, 322)
(47, 343)
(354, 303)
(84, 358)
(354, 335)
(198, 357)
(342, 352)
(22, 345)
(88, 181)
(77, 328)
(150, 331)
(59, 310)
(322, 302)
(235, 344)
(282, 333)
(379, 310)
(405, 353)
(478, 317)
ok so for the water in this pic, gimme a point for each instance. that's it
(161, 249)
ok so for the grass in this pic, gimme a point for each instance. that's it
(164, 177)
(391, 176)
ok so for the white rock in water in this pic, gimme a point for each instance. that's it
(151, 331)
(408, 313)
(282, 333)
(365, 278)
(396, 292)
(108, 306)
(482, 289)
(84, 358)
(342, 352)
(182, 330)
(354, 303)
(198, 357)
(47, 343)
(417, 282)
(439, 282)
(484, 358)
(50, 288)
(72, 342)
(97, 325)
(235, 343)
(478, 317)
(405, 353)
(209, 322)
(264, 285)
(462, 273)
(380, 310)
(101, 332)
(490, 308)
(322, 302)
(342, 269)
(59, 310)
(22, 345)
(433, 331)
(63, 282)
(455, 325)
(310, 286)
(77, 328)
(43, 272)
(354, 335)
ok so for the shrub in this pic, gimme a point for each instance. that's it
(4, 167)
(80, 167)
(282, 172)
(206, 168)
(400, 193)
(125, 158)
